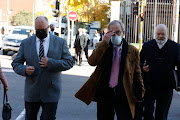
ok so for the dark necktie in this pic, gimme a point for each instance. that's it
(41, 49)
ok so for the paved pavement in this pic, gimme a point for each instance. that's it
(69, 108)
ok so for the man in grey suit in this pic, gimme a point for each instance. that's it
(46, 55)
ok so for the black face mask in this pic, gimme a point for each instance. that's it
(41, 34)
(52, 29)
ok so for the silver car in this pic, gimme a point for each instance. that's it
(12, 41)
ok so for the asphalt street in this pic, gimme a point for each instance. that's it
(69, 108)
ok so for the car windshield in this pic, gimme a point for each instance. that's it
(21, 31)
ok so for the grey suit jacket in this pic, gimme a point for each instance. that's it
(44, 84)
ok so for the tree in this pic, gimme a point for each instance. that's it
(90, 10)
(22, 18)
(26, 18)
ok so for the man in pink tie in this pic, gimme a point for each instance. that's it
(116, 84)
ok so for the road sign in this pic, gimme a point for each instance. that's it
(72, 16)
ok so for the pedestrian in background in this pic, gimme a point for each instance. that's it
(96, 38)
(79, 45)
(52, 28)
(116, 84)
(87, 42)
(3, 79)
(31, 33)
(158, 60)
(46, 55)
(103, 33)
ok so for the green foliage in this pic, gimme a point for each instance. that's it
(26, 18)
(22, 18)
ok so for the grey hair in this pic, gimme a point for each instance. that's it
(116, 21)
(162, 26)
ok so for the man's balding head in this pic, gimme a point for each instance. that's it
(41, 22)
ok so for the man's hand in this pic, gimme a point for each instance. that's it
(108, 35)
(145, 68)
(30, 70)
(44, 62)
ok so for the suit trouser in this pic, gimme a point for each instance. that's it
(163, 101)
(86, 51)
(107, 107)
(48, 110)
(78, 55)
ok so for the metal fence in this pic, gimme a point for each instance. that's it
(155, 12)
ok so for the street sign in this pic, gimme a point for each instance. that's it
(72, 16)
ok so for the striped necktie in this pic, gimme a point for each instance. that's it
(41, 49)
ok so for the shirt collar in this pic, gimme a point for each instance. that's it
(120, 47)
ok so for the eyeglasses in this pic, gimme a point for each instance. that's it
(118, 32)
(40, 30)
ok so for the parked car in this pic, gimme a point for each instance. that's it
(12, 41)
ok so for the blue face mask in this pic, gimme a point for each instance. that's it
(116, 40)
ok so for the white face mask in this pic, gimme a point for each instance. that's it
(116, 40)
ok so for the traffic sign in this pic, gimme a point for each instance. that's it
(72, 16)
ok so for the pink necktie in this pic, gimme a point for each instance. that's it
(115, 70)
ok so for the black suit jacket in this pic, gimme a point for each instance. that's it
(161, 63)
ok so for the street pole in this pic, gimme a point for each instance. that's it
(177, 21)
(155, 18)
(7, 15)
(124, 14)
(141, 27)
(59, 18)
(68, 23)
(33, 16)
(72, 28)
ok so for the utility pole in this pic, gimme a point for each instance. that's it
(155, 18)
(60, 18)
(124, 14)
(141, 25)
(33, 16)
(68, 23)
(8, 15)
(177, 21)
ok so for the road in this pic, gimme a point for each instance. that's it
(69, 108)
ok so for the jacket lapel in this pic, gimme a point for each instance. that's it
(34, 50)
(51, 44)
(123, 57)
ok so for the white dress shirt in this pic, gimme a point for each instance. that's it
(45, 44)
(52, 32)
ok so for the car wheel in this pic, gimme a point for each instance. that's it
(5, 52)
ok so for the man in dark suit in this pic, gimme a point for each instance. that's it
(87, 43)
(31, 33)
(116, 84)
(79, 45)
(102, 34)
(158, 59)
(52, 28)
(46, 55)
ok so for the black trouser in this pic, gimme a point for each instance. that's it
(48, 110)
(78, 55)
(108, 106)
(86, 51)
(163, 101)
